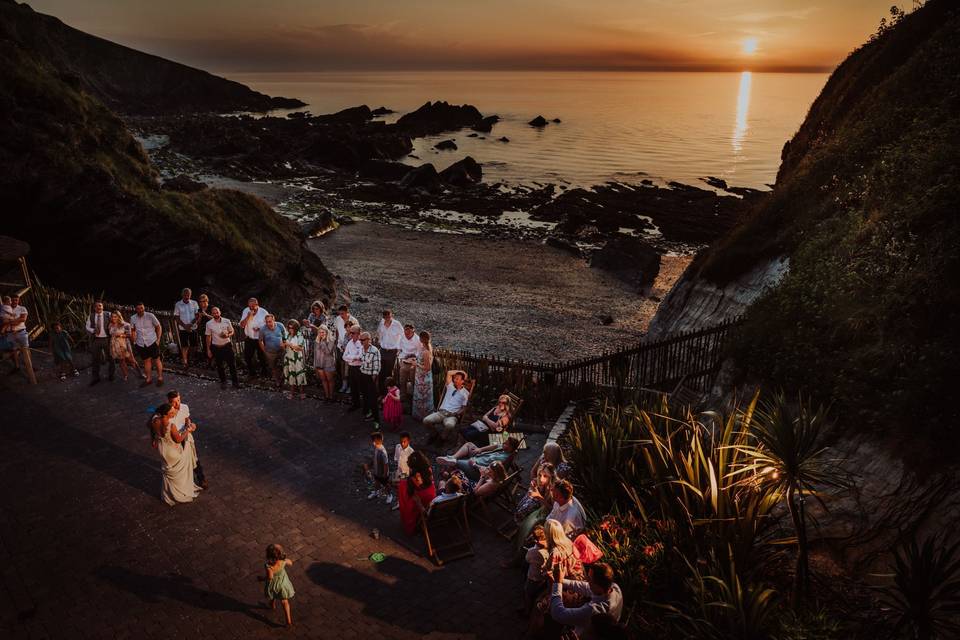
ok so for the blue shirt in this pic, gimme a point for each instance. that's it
(272, 339)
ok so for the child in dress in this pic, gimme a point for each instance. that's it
(278, 586)
(400, 456)
(380, 469)
(392, 407)
(60, 344)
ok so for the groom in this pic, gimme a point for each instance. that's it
(181, 420)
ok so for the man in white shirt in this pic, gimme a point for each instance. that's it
(145, 332)
(353, 357)
(181, 420)
(442, 422)
(98, 328)
(410, 346)
(567, 510)
(251, 321)
(15, 319)
(186, 313)
(219, 333)
(389, 334)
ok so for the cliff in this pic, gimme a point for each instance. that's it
(78, 187)
(126, 80)
(864, 212)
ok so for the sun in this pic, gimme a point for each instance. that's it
(749, 46)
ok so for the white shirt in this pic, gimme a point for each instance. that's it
(410, 347)
(186, 311)
(353, 352)
(252, 328)
(146, 328)
(570, 515)
(390, 336)
(216, 330)
(13, 313)
(340, 325)
(401, 456)
(454, 401)
(99, 320)
(180, 419)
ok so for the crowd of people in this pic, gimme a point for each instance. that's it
(385, 373)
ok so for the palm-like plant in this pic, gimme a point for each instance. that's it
(925, 595)
(788, 454)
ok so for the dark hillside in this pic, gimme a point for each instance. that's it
(76, 185)
(867, 208)
(126, 80)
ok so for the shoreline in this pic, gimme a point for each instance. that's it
(485, 293)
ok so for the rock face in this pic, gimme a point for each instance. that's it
(436, 117)
(694, 303)
(464, 173)
(124, 79)
(424, 177)
(69, 166)
(630, 259)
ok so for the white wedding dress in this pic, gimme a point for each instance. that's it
(178, 465)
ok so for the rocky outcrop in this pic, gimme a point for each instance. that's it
(126, 80)
(486, 125)
(384, 170)
(424, 177)
(630, 259)
(464, 173)
(538, 122)
(437, 117)
(694, 303)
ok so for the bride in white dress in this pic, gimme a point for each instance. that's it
(179, 455)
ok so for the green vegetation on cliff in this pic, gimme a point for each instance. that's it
(79, 188)
(867, 207)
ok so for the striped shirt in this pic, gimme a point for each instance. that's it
(370, 364)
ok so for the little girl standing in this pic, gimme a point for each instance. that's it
(278, 586)
(392, 407)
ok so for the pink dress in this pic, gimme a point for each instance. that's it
(393, 408)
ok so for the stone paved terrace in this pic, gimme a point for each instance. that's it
(88, 550)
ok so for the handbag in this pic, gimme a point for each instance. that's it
(585, 550)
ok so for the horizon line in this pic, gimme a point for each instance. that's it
(796, 70)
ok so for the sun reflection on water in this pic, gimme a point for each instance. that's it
(743, 109)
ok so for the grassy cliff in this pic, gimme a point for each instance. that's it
(78, 187)
(867, 207)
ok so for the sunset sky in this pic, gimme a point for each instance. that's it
(314, 35)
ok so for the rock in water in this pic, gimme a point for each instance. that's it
(539, 121)
(436, 117)
(630, 259)
(446, 145)
(556, 120)
(424, 177)
(503, 139)
(463, 173)
(486, 125)
(381, 111)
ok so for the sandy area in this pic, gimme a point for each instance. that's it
(503, 296)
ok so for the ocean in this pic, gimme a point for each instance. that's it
(615, 126)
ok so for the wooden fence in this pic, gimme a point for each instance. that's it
(691, 357)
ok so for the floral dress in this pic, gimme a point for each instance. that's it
(422, 389)
(119, 341)
(294, 364)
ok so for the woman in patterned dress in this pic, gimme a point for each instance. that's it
(294, 363)
(120, 350)
(423, 380)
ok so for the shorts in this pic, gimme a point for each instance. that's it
(149, 352)
(20, 339)
(187, 338)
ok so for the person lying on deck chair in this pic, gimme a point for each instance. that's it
(443, 421)
(495, 420)
(471, 459)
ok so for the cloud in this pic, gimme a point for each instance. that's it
(763, 17)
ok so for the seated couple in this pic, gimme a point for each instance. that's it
(442, 422)
(471, 459)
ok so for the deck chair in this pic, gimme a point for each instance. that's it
(516, 402)
(446, 531)
(469, 386)
(496, 510)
